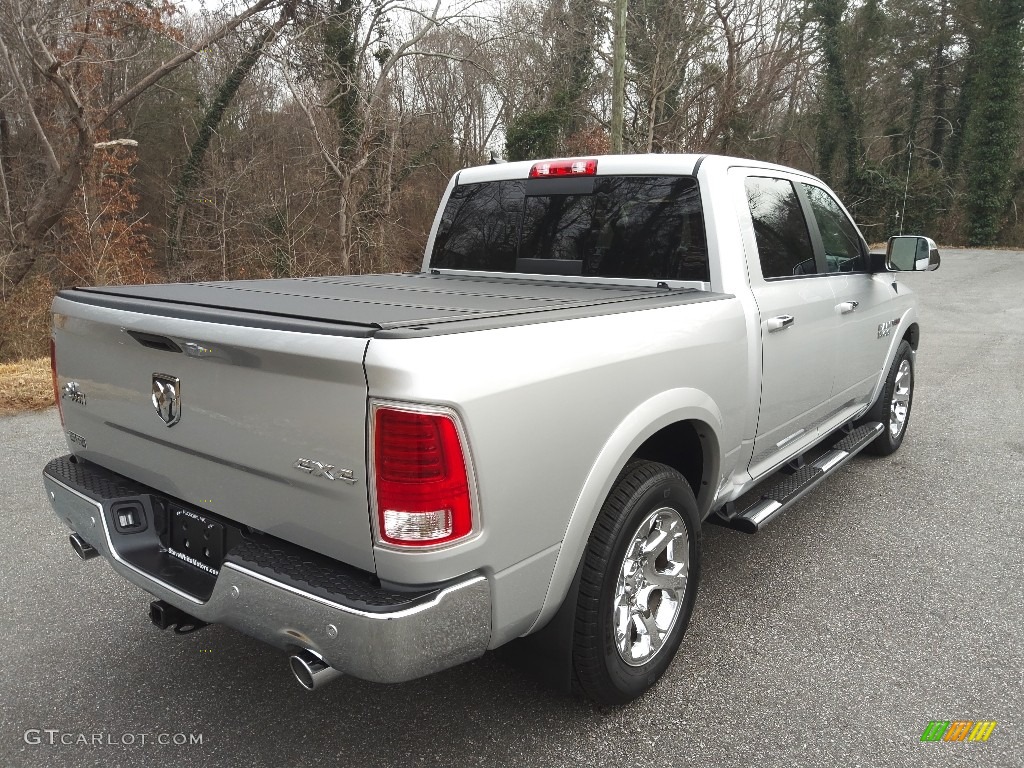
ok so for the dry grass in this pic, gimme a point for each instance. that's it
(25, 386)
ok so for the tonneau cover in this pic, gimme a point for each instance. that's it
(385, 305)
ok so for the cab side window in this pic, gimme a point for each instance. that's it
(843, 252)
(783, 241)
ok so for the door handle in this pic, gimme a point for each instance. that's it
(780, 323)
(848, 306)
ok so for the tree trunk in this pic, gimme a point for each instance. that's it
(344, 226)
(619, 75)
(941, 92)
(6, 171)
(48, 208)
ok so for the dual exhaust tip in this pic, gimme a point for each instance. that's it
(309, 668)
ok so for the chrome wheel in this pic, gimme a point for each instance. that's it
(651, 586)
(900, 405)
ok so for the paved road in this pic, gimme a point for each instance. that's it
(890, 597)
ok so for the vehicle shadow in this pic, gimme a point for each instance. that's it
(495, 710)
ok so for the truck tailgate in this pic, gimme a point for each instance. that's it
(253, 403)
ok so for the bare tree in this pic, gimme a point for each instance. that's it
(383, 37)
(50, 46)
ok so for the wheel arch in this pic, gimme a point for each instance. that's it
(691, 448)
(680, 428)
(912, 335)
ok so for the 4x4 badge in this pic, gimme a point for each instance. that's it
(328, 471)
(167, 398)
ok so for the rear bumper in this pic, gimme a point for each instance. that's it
(290, 601)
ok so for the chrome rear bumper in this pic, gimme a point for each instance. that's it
(444, 627)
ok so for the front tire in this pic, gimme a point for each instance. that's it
(640, 576)
(892, 408)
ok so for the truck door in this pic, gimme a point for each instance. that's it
(798, 320)
(863, 301)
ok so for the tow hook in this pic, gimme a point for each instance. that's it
(164, 615)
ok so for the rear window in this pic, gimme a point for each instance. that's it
(607, 226)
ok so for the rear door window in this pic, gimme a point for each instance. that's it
(649, 227)
(783, 240)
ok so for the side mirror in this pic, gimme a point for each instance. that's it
(911, 253)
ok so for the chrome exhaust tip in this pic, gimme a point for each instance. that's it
(82, 548)
(311, 670)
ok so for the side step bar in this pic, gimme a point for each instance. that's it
(779, 497)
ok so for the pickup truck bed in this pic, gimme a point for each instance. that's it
(387, 306)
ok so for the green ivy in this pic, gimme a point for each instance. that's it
(533, 134)
(993, 126)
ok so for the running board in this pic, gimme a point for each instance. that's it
(779, 497)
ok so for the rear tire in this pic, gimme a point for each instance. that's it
(892, 408)
(640, 575)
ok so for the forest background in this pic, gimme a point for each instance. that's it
(150, 140)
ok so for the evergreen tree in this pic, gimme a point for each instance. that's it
(993, 125)
(839, 122)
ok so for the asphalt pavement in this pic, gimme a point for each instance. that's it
(890, 596)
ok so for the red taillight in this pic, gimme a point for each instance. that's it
(53, 376)
(553, 169)
(422, 486)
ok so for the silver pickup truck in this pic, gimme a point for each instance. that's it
(388, 475)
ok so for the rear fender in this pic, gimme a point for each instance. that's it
(660, 411)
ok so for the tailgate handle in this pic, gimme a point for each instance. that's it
(152, 341)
